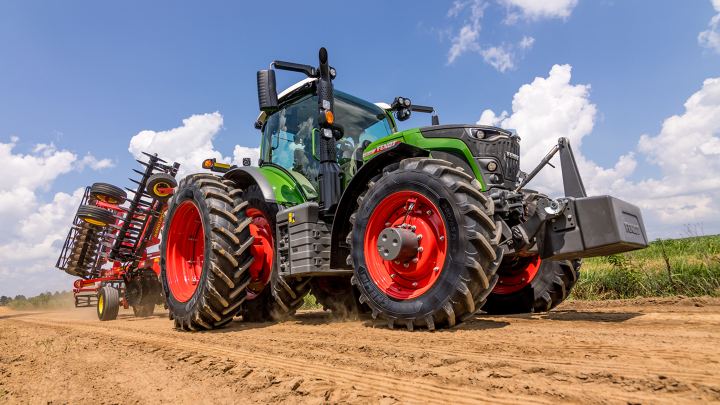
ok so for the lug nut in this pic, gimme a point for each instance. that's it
(442, 238)
(412, 228)
(415, 284)
(429, 212)
(436, 269)
(419, 237)
(392, 276)
(387, 224)
(420, 249)
(406, 264)
(397, 261)
(415, 260)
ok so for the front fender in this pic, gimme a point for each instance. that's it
(247, 176)
(348, 202)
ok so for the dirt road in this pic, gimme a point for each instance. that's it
(624, 352)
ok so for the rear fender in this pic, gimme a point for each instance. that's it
(348, 202)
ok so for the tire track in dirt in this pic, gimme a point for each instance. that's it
(427, 392)
(651, 358)
(667, 356)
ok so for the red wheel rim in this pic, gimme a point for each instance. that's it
(335, 285)
(515, 275)
(396, 280)
(185, 251)
(262, 249)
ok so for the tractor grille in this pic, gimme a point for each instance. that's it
(505, 149)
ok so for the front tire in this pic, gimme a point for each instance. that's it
(205, 254)
(456, 270)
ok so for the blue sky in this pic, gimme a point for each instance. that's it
(84, 78)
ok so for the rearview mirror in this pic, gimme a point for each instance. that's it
(267, 91)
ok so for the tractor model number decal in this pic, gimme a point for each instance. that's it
(380, 148)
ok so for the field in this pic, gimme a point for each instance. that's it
(657, 350)
(658, 346)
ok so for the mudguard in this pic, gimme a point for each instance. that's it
(348, 202)
(247, 175)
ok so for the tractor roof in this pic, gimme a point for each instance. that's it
(263, 115)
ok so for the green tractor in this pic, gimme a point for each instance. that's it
(423, 227)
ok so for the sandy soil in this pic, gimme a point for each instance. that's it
(625, 352)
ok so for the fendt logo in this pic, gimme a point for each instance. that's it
(380, 148)
(634, 229)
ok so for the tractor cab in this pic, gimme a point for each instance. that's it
(290, 135)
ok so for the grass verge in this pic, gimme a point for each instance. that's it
(688, 266)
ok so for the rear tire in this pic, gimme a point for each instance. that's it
(108, 303)
(550, 287)
(469, 254)
(205, 254)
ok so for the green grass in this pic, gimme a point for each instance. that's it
(42, 301)
(310, 303)
(689, 266)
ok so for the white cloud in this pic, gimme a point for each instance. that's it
(189, 144)
(710, 38)
(465, 40)
(526, 43)
(499, 57)
(502, 57)
(687, 150)
(537, 9)
(33, 231)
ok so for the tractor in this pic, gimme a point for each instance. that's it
(423, 227)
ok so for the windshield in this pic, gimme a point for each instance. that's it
(287, 137)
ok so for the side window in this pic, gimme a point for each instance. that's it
(287, 139)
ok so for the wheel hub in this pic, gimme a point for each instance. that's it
(185, 251)
(409, 227)
(397, 244)
(262, 249)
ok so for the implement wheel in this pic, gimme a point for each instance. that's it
(270, 296)
(424, 244)
(108, 193)
(529, 284)
(157, 182)
(205, 253)
(143, 310)
(108, 303)
(96, 215)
